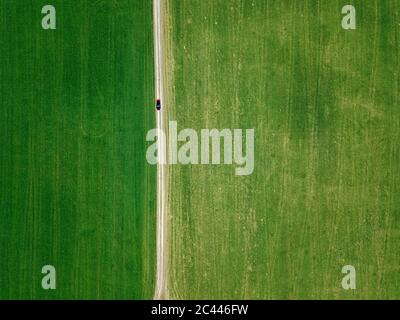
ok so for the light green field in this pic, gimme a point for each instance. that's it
(75, 189)
(324, 104)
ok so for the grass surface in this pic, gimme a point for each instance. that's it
(75, 189)
(324, 104)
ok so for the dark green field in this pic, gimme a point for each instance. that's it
(325, 106)
(75, 189)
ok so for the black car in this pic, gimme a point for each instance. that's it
(158, 104)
